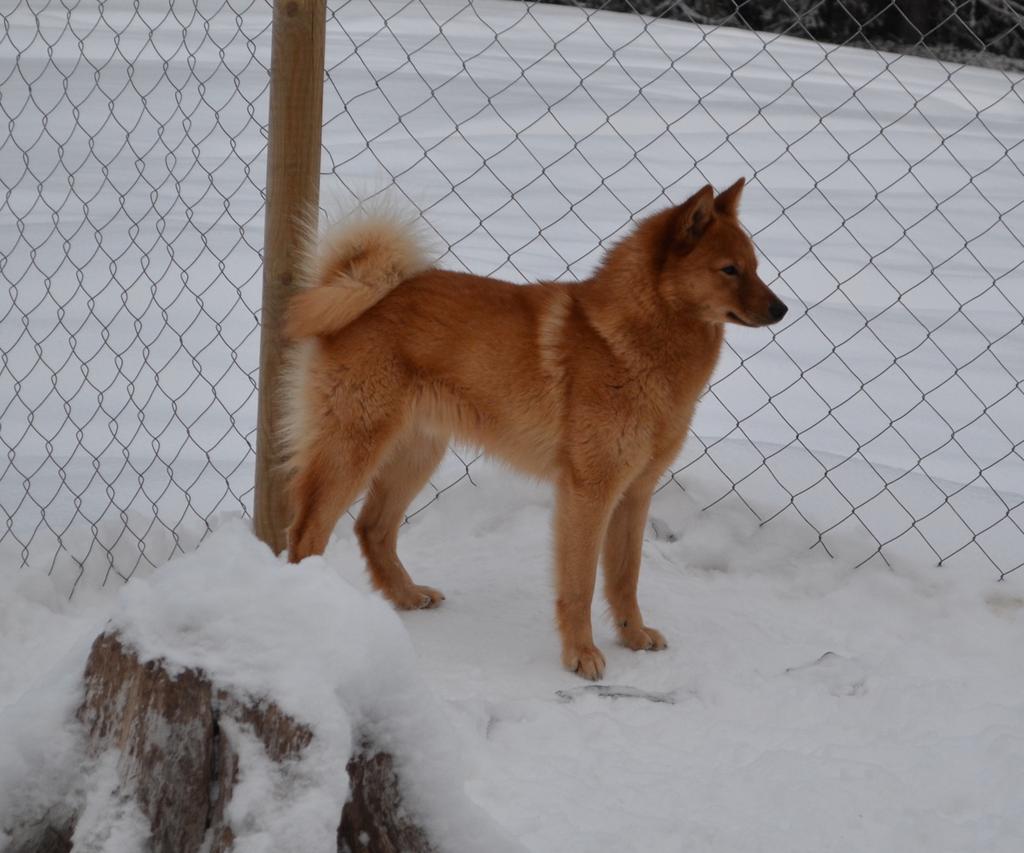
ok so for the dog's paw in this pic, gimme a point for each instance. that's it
(642, 639)
(586, 661)
(416, 597)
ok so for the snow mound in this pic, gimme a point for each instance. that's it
(332, 657)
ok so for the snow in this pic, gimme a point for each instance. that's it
(108, 821)
(331, 657)
(803, 703)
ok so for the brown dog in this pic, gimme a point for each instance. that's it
(591, 385)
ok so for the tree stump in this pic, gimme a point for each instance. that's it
(174, 762)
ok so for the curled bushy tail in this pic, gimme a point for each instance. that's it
(352, 265)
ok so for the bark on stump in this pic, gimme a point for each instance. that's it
(180, 771)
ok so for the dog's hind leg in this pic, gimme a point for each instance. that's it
(623, 545)
(329, 481)
(395, 484)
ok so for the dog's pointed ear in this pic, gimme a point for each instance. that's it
(695, 214)
(728, 201)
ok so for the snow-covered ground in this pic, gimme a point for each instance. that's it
(813, 706)
(810, 706)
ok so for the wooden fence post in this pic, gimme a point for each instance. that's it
(293, 189)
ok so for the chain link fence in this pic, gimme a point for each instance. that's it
(884, 418)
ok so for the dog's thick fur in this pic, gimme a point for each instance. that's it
(591, 385)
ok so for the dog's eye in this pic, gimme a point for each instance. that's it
(730, 270)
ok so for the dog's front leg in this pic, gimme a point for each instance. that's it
(623, 546)
(582, 515)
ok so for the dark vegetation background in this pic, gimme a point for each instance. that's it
(977, 32)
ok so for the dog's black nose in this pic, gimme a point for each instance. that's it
(779, 310)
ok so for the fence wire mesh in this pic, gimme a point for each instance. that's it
(886, 198)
